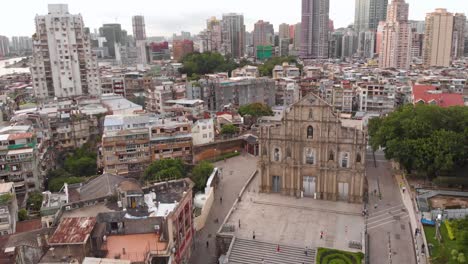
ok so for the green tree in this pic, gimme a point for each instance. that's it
(23, 214)
(197, 64)
(5, 198)
(55, 184)
(82, 162)
(255, 110)
(34, 201)
(425, 138)
(164, 169)
(229, 129)
(200, 174)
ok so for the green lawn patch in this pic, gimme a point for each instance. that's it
(441, 252)
(333, 256)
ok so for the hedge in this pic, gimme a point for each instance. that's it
(449, 230)
(333, 256)
(225, 156)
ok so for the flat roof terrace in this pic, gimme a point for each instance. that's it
(133, 247)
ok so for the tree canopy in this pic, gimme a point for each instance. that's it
(164, 170)
(34, 201)
(255, 110)
(425, 138)
(56, 183)
(81, 163)
(200, 174)
(197, 64)
(266, 69)
(229, 129)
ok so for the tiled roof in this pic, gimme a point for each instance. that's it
(422, 93)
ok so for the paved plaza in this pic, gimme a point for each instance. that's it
(296, 222)
(235, 173)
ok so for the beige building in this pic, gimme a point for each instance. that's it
(313, 154)
(395, 39)
(438, 38)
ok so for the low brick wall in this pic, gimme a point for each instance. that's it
(213, 150)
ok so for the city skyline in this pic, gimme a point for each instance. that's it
(193, 17)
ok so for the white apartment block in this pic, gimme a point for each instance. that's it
(63, 65)
(203, 132)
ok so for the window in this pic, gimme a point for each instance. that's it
(309, 156)
(358, 158)
(276, 155)
(331, 156)
(205, 135)
(344, 160)
(311, 115)
(310, 132)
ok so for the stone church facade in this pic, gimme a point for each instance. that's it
(312, 154)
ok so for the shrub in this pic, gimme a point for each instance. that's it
(56, 184)
(22, 214)
(332, 256)
(449, 230)
(34, 202)
(200, 174)
(226, 156)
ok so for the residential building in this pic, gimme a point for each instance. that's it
(283, 31)
(4, 46)
(418, 26)
(214, 35)
(437, 50)
(395, 49)
(181, 48)
(417, 40)
(125, 145)
(329, 160)
(21, 45)
(349, 44)
(335, 44)
(286, 70)
(8, 209)
(19, 159)
(366, 44)
(246, 71)
(233, 29)
(458, 41)
(139, 33)
(203, 132)
(314, 32)
(63, 64)
(263, 35)
(171, 139)
(284, 47)
(238, 91)
(287, 92)
(377, 98)
(156, 96)
(184, 107)
(368, 14)
(72, 236)
(297, 40)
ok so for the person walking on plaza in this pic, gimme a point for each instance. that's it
(321, 234)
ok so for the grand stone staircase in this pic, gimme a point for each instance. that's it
(252, 252)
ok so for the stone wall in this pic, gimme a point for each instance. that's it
(215, 149)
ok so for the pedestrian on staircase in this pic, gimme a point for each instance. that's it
(306, 251)
(278, 248)
(253, 235)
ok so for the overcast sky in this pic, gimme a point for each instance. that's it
(164, 17)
